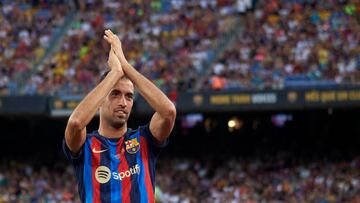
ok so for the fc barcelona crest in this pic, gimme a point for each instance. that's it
(132, 146)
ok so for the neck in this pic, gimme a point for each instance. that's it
(110, 132)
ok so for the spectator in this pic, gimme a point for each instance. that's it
(294, 43)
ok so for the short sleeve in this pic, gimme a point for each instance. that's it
(154, 145)
(73, 158)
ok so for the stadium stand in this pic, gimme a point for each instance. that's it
(292, 44)
(280, 44)
(165, 40)
(248, 180)
(252, 180)
(25, 32)
(20, 182)
(314, 158)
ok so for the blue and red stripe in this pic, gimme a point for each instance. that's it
(134, 188)
(105, 188)
(134, 179)
(115, 184)
(95, 163)
(126, 181)
(88, 171)
(145, 161)
(141, 179)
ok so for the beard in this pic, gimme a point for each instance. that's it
(116, 122)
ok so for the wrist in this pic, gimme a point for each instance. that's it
(125, 64)
(116, 71)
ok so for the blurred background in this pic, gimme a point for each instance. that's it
(267, 94)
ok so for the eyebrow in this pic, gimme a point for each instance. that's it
(130, 93)
(127, 93)
(115, 90)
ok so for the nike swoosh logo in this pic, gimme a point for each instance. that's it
(100, 151)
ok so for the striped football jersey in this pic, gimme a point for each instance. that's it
(121, 170)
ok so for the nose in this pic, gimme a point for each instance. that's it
(122, 102)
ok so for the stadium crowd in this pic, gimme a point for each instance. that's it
(165, 40)
(278, 178)
(23, 183)
(253, 180)
(283, 43)
(286, 43)
(25, 31)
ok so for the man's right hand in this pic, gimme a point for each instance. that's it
(114, 62)
(115, 43)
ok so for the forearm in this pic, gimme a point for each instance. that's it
(163, 119)
(153, 95)
(87, 108)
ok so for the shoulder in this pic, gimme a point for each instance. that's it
(145, 128)
(94, 135)
(144, 131)
(141, 129)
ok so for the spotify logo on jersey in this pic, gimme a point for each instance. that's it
(102, 174)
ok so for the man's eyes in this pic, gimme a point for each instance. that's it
(114, 93)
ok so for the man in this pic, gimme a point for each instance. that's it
(115, 163)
